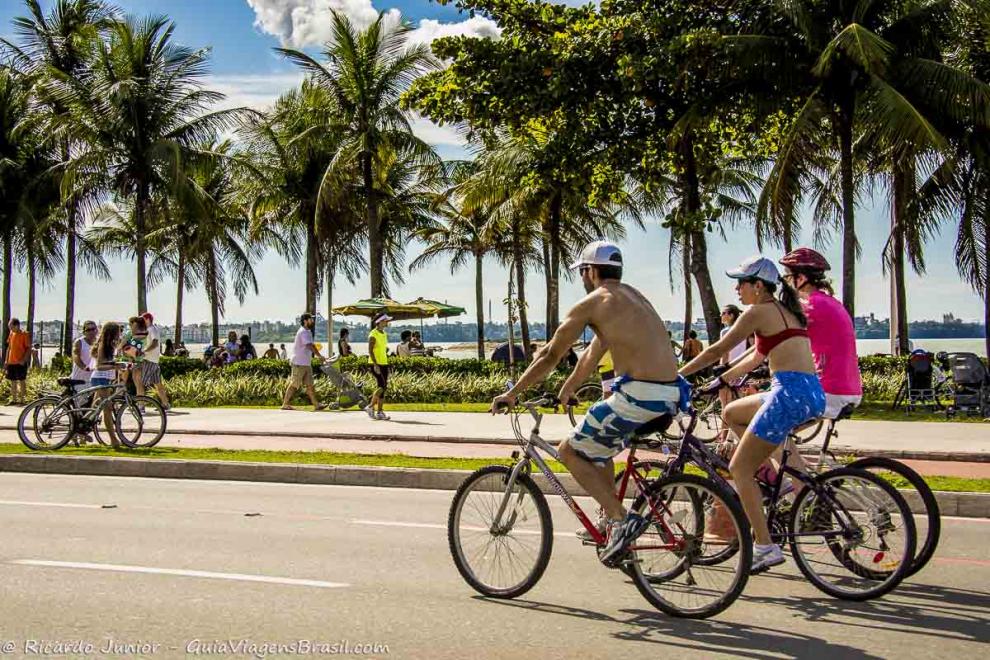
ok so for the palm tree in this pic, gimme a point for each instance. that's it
(286, 155)
(60, 44)
(843, 65)
(459, 236)
(141, 113)
(367, 72)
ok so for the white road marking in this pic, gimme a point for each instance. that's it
(63, 505)
(181, 572)
(395, 523)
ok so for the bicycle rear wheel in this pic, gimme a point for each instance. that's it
(139, 422)
(46, 424)
(852, 535)
(501, 558)
(664, 560)
(587, 394)
(929, 523)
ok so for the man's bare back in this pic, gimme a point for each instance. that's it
(627, 324)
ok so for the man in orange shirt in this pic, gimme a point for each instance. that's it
(18, 354)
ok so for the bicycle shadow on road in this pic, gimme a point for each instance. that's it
(709, 636)
(926, 610)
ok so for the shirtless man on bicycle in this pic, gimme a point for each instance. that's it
(646, 386)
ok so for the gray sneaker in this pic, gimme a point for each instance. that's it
(371, 411)
(621, 533)
(382, 417)
(766, 558)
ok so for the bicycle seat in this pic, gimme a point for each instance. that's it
(70, 382)
(656, 425)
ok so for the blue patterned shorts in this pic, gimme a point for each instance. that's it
(793, 399)
(610, 424)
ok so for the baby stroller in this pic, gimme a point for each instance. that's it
(924, 383)
(970, 385)
(348, 393)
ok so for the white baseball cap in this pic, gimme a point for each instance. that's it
(599, 253)
(759, 267)
(382, 317)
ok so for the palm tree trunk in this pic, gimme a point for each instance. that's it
(32, 287)
(479, 301)
(688, 287)
(180, 281)
(70, 282)
(517, 262)
(986, 280)
(699, 246)
(788, 237)
(553, 299)
(903, 175)
(8, 273)
(845, 130)
(330, 271)
(140, 227)
(374, 230)
(312, 271)
(213, 294)
(545, 245)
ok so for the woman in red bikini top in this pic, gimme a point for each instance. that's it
(763, 421)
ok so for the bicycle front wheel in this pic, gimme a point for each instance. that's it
(852, 535)
(504, 557)
(928, 524)
(140, 422)
(46, 424)
(665, 559)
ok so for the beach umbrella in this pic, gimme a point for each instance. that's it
(440, 310)
(372, 307)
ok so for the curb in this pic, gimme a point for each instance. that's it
(967, 505)
(838, 450)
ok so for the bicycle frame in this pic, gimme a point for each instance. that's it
(531, 454)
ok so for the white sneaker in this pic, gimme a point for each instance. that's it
(585, 535)
(765, 558)
(371, 411)
(382, 417)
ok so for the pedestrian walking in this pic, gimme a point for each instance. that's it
(133, 351)
(282, 355)
(16, 364)
(378, 358)
(271, 353)
(151, 372)
(303, 351)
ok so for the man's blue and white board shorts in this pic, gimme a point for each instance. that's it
(611, 423)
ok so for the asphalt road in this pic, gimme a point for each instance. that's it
(186, 565)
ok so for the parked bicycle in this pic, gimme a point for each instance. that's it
(53, 420)
(500, 529)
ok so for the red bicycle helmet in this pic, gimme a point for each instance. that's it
(805, 259)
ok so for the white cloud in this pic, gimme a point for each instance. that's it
(434, 134)
(301, 23)
(255, 91)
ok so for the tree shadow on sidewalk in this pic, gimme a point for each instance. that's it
(707, 636)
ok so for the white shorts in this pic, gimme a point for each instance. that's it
(834, 403)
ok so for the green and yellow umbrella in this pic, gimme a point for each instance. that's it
(372, 307)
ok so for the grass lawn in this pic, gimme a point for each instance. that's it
(955, 484)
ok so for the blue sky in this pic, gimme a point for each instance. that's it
(242, 34)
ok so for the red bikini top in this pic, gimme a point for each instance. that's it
(765, 344)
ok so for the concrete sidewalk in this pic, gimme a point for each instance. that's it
(237, 428)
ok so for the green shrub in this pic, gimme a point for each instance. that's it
(260, 367)
(177, 366)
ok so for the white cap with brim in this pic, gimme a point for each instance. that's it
(382, 317)
(759, 267)
(599, 253)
